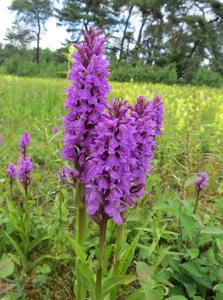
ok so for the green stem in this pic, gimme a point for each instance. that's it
(102, 239)
(118, 245)
(180, 225)
(80, 235)
(81, 220)
(120, 240)
(82, 225)
(26, 219)
(11, 187)
(26, 206)
(196, 203)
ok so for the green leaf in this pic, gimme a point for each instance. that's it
(35, 242)
(193, 253)
(137, 295)
(192, 269)
(191, 288)
(127, 279)
(177, 297)
(191, 181)
(212, 231)
(143, 271)
(79, 251)
(44, 269)
(128, 255)
(110, 283)
(190, 226)
(6, 266)
(40, 258)
(151, 294)
(88, 275)
(18, 250)
(219, 288)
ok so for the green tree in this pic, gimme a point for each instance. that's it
(77, 14)
(149, 11)
(193, 33)
(125, 8)
(19, 35)
(33, 13)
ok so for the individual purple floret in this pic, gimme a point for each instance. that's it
(55, 130)
(24, 142)
(1, 139)
(24, 170)
(11, 171)
(86, 98)
(202, 181)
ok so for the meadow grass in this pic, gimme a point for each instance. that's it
(192, 142)
(192, 135)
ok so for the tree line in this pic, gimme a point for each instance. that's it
(185, 33)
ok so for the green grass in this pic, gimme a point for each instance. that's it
(192, 136)
(192, 142)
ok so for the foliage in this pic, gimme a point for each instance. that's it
(82, 14)
(21, 62)
(34, 15)
(186, 33)
(163, 251)
(14, 61)
(207, 77)
(146, 73)
(157, 33)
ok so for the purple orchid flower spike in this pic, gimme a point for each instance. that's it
(202, 181)
(12, 171)
(24, 142)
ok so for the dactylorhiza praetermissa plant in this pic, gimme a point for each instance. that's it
(24, 170)
(110, 146)
(113, 177)
(24, 166)
(24, 163)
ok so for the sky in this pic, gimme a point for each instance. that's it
(53, 38)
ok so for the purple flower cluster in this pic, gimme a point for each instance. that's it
(24, 142)
(108, 176)
(202, 181)
(11, 171)
(147, 119)
(86, 98)
(24, 170)
(121, 156)
(24, 167)
(110, 146)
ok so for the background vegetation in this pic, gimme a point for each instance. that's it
(148, 41)
(178, 254)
